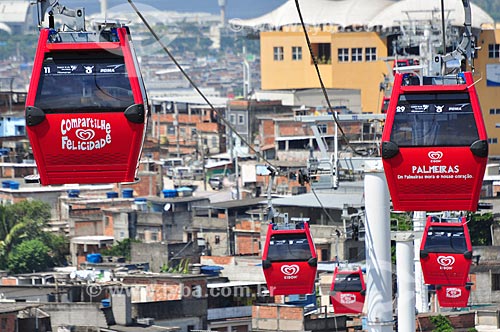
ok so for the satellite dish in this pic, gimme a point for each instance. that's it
(167, 207)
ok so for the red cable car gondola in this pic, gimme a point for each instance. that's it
(86, 107)
(434, 144)
(453, 296)
(289, 259)
(446, 252)
(347, 292)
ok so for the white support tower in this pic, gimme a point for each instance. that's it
(421, 292)
(405, 280)
(378, 253)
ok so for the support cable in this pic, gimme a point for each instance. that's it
(193, 84)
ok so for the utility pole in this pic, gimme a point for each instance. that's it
(177, 133)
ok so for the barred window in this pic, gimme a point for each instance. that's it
(356, 54)
(343, 55)
(278, 53)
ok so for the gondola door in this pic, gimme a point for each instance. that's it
(446, 252)
(434, 145)
(453, 296)
(86, 108)
(348, 291)
(289, 260)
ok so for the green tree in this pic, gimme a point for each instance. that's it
(480, 228)
(121, 248)
(441, 323)
(29, 256)
(20, 222)
(59, 248)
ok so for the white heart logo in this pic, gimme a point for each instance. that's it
(446, 260)
(453, 293)
(347, 298)
(435, 155)
(85, 134)
(290, 270)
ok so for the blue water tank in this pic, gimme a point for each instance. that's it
(167, 193)
(73, 193)
(14, 185)
(106, 303)
(184, 192)
(112, 194)
(94, 258)
(6, 184)
(128, 193)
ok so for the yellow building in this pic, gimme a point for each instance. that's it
(353, 41)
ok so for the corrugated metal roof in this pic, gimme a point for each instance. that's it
(329, 200)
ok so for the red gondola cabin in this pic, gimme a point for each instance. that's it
(453, 296)
(446, 252)
(347, 292)
(434, 144)
(86, 107)
(289, 260)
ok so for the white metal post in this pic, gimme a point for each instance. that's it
(378, 253)
(406, 280)
(421, 292)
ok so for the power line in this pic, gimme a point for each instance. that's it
(325, 94)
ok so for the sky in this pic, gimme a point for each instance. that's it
(234, 8)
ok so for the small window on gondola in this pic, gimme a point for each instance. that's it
(432, 119)
(97, 84)
(445, 240)
(288, 247)
(348, 283)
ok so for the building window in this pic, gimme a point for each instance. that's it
(492, 140)
(356, 54)
(494, 51)
(232, 119)
(323, 53)
(241, 119)
(171, 130)
(296, 53)
(343, 54)
(495, 282)
(217, 239)
(214, 141)
(494, 111)
(278, 53)
(4, 323)
(322, 128)
(353, 253)
(154, 236)
(370, 54)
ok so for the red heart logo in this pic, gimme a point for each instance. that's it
(453, 292)
(446, 260)
(434, 155)
(347, 298)
(290, 270)
(85, 134)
